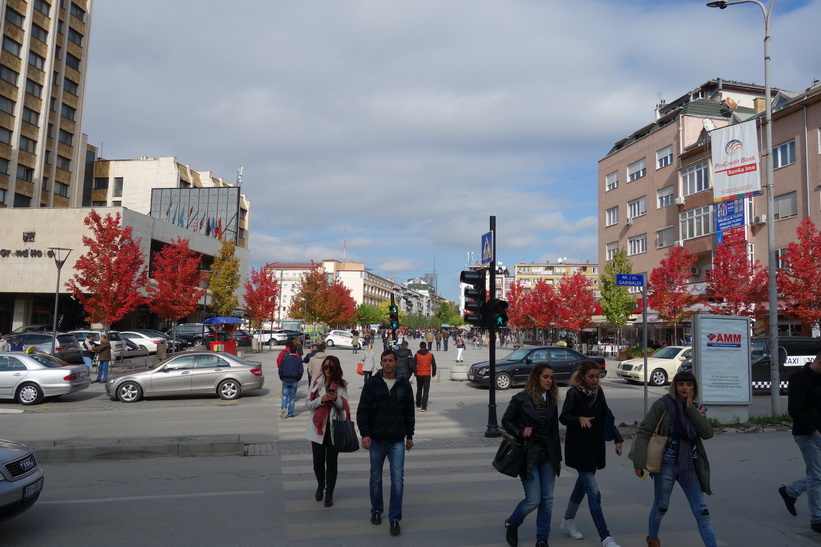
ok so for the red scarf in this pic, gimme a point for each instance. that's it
(320, 417)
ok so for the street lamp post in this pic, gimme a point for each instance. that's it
(775, 378)
(59, 259)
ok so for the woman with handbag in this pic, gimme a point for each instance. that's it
(585, 413)
(684, 422)
(532, 417)
(370, 362)
(328, 401)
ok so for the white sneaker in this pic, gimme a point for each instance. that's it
(283, 413)
(609, 542)
(569, 528)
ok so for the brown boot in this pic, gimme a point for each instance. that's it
(653, 542)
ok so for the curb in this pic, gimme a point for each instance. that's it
(121, 449)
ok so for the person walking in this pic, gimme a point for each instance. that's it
(445, 337)
(327, 401)
(103, 350)
(404, 365)
(438, 338)
(88, 352)
(370, 362)
(424, 367)
(355, 342)
(290, 372)
(386, 422)
(314, 368)
(429, 338)
(532, 417)
(584, 413)
(460, 349)
(804, 406)
(684, 460)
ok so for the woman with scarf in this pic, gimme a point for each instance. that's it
(684, 460)
(585, 413)
(328, 401)
(532, 417)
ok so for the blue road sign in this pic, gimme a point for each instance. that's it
(630, 280)
(487, 248)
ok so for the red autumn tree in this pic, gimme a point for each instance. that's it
(340, 305)
(576, 302)
(309, 302)
(798, 279)
(668, 292)
(176, 270)
(111, 278)
(542, 305)
(261, 291)
(735, 285)
(517, 300)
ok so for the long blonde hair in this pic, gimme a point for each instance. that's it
(534, 389)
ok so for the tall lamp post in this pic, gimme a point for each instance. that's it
(775, 378)
(60, 255)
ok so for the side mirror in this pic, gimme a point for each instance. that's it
(782, 355)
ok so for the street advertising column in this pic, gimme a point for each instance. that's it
(721, 364)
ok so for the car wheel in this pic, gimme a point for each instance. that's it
(29, 394)
(142, 347)
(658, 377)
(329, 343)
(197, 341)
(504, 381)
(228, 390)
(129, 392)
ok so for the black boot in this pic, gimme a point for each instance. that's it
(542, 543)
(319, 493)
(329, 499)
(511, 534)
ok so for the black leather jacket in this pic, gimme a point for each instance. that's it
(521, 413)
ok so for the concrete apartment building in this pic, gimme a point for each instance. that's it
(655, 185)
(552, 273)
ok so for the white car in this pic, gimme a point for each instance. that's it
(341, 338)
(661, 366)
(143, 340)
(118, 347)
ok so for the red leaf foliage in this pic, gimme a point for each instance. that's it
(798, 280)
(516, 316)
(736, 286)
(577, 302)
(340, 305)
(261, 291)
(667, 291)
(178, 276)
(541, 305)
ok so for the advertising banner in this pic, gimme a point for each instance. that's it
(730, 225)
(721, 357)
(736, 161)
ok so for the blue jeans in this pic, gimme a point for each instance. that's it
(102, 371)
(810, 446)
(89, 362)
(663, 486)
(538, 493)
(586, 485)
(289, 395)
(395, 453)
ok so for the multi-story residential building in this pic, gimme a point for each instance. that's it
(552, 273)
(42, 85)
(655, 186)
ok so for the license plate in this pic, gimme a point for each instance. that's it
(471, 377)
(33, 489)
(83, 373)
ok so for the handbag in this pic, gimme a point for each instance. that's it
(655, 449)
(609, 432)
(359, 367)
(345, 439)
(510, 458)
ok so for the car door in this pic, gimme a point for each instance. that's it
(522, 370)
(173, 377)
(207, 373)
(12, 372)
(563, 363)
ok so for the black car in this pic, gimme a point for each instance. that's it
(242, 337)
(193, 333)
(514, 369)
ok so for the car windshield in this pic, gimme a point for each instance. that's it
(48, 360)
(669, 352)
(517, 355)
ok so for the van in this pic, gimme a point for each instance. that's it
(799, 350)
(118, 347)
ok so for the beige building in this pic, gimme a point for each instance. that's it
(552, 273)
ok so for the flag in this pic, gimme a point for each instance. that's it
(168, 211)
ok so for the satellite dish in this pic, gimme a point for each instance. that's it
(731, 103)
(708, 124)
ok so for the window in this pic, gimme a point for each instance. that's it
(33, 88)
(4, 166)
(61, 189)
(784, 154)
(665, 237)
(39, 32)
(2, 196)
(68, 112)
(118, 187)
(27, 144)
(31, 116)
(696, 223)
(70, 86)
(612, 181)
(78, 12)
(637, 245)
(25, 173)
(664, 197)
(664, 157)
(21, 201)
(612, 216)
(66, 137)
(637, 207)
(5, 135)
(42, 6)
(6, 105)
(11, 46)
(63, 163)
(14, 17)
(784, 206)
(72, 61)
(101, 183)
(611, 249)
(36, 60)
(780, 256)
(695, 178)
(46, 184)
(637, 170)
(75, 37)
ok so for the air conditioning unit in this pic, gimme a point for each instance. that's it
(628, 221)
(680, 201)
(695, 270)
(760, 219)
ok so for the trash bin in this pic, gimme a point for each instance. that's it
(161, 346)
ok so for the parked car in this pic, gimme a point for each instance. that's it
(243, 337)
(195, 334)
(341, 338)
(28, 378)
(39, 327)
(21, 479)
(514, 369)
(201, 372)
(68, 349)
(118, 347)
(171, 345)
(661, 366)
(132, 349)
(144, 340)
(283, 335)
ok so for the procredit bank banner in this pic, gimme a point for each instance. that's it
(736, 161)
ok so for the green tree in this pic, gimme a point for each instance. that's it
(447, 314)
(369, 315)
(416, 321)
(224, 280)
(616, 302)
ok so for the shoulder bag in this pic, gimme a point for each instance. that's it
(510, 458)
(345, 439)
(655, 448)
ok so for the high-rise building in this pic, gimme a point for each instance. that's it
(42, 84)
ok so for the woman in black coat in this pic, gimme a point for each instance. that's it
(585, 415)
(532, 417)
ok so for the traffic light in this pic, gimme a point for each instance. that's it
(393, 312)
(475, 296)
(497, 310)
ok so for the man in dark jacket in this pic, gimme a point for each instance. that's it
(403, 361)
(804, 406)
(385, 417)
(290, 372)
(424, 367)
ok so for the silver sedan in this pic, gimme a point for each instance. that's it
(21, 479)
(202, 372)
(29, 378)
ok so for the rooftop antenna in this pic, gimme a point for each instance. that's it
(239, 175)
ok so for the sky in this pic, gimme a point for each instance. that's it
(389, 131)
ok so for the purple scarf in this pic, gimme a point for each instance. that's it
(683, 432)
